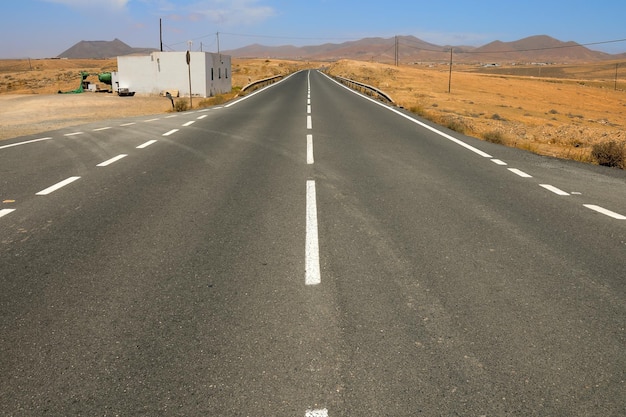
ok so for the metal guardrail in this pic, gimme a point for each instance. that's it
(260, 83)
(365, 89)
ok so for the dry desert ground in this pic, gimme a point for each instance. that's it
(556, 110)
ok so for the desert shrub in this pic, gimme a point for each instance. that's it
(455, 124)
(181, 105)
(553, 112)
(494, 136)
(417, 109)
(496, 116)
(610, 154)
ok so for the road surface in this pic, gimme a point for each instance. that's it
(306, 251)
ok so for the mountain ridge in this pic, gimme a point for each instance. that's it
(538, 48)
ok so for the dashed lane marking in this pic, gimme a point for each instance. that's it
(520, 173)
(312, 253)
(170, 132)
(555, 190)
(58, 185)
(4, 212)
(605, 211)
(112, 160)
(24, 143)
(146, 144)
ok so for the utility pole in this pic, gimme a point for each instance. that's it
(450, 76)
(161, 33)
(397, 51)
(218, 42)
(189, 69)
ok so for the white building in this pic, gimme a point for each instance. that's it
(162, 72)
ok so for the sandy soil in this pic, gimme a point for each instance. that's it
(30, 114)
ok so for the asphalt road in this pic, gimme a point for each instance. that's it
(306, 251)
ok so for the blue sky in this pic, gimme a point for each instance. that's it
(45, 28)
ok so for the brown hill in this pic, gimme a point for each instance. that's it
(101, 49)
(540, 48)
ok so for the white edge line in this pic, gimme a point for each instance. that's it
(23, 143)
(605, 211)
(312, 256)
(424, 125)
(110, 161)
(554, 189)
(170, 132)
(145, 145)
(57, 186)
(4, 212)
(520, 173)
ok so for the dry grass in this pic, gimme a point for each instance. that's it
(563, 117)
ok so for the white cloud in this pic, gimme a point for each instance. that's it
(229, 12)
(112, 5)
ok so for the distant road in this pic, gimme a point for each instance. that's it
(306, 251)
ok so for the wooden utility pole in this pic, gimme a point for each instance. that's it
(450, 75)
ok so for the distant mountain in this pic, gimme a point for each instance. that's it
(540, 48)
(101, 49)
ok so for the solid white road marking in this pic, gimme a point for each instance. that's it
(102, 128)
(309, 123)
(23, 143)
(553, 189)
(4, 212)
(312, 253)
(189, 123)
(128, 124)
(309, 149)
(520, 173)
(316, 413)
(73, 134)
(170, 132)
(110, 161)
(605, 211)
(145, 145)
(498, 162)
(57, 186)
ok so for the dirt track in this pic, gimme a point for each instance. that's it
(30, 114)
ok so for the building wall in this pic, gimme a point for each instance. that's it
(168, 71)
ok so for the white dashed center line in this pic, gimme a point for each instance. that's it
(189, 123)
(150, 120)
(73, 134)
(128, 124)
(202, 117)
(309, 149)
(24, 143)
(102, 128)
(312, 255)
(316, 413)
(309, 123)
(57, 186)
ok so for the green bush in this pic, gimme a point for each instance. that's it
(610, 154)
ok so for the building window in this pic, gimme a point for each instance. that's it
(226, 72)
(212, 75)
(219, 73)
